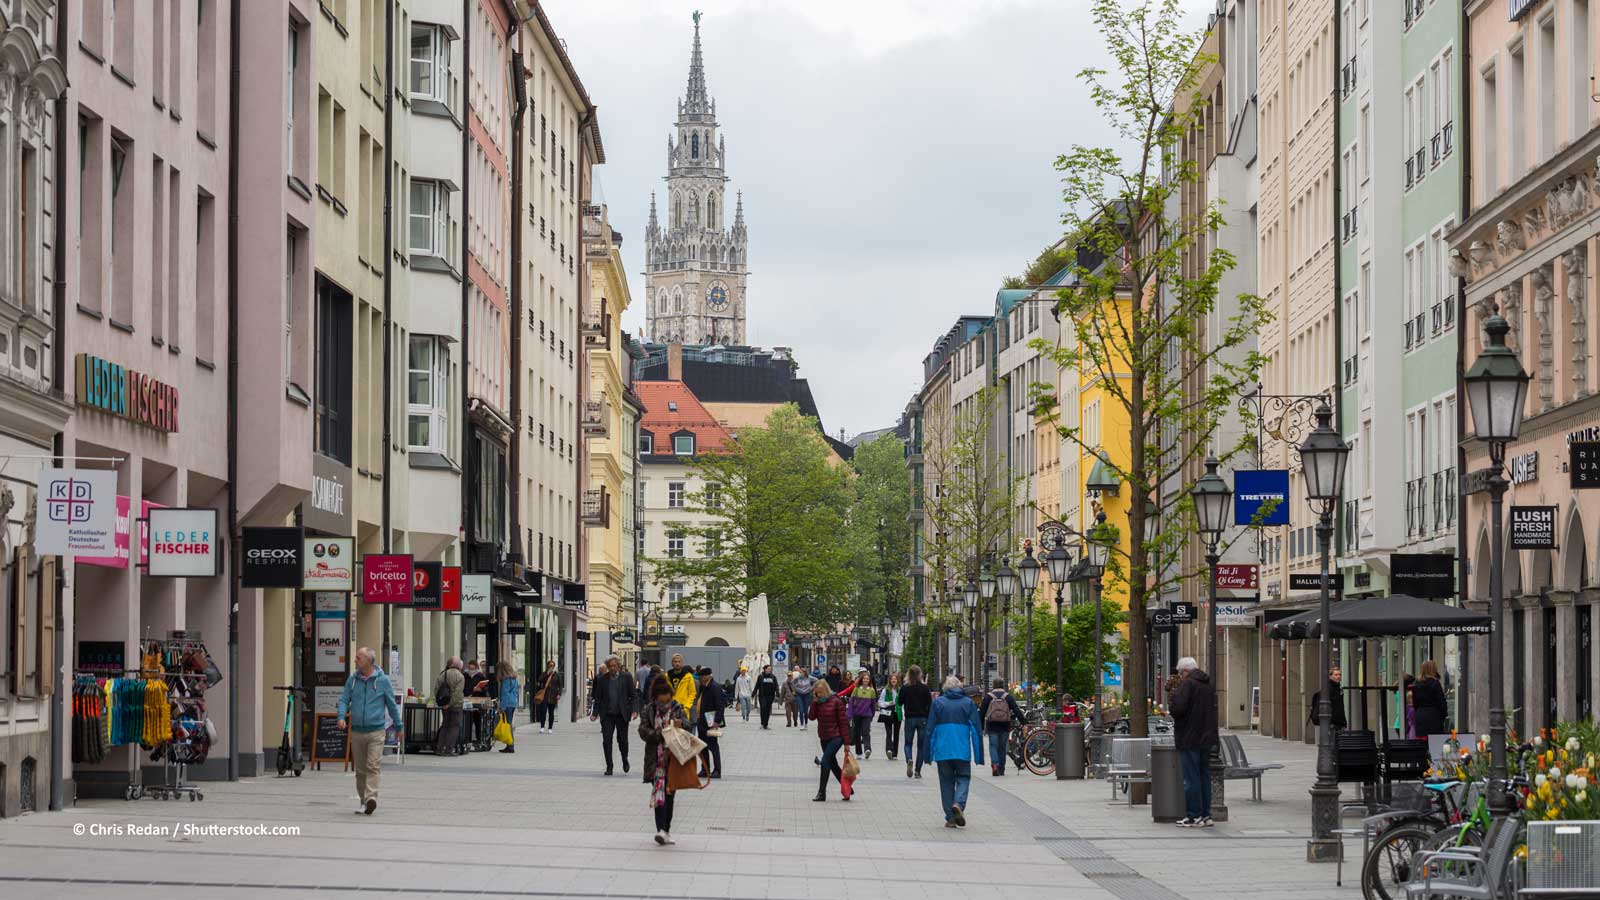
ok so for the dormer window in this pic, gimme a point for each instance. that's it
(683, 445)
(646, 443)
(672, 406)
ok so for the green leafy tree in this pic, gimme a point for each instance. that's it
(1143, 316)
(1050, 260)
(971, 496)
(881, 529)
(772, 513)
(1077, 644)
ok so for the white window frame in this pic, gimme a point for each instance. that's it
(646, 443)
(435, 211)
(677, 542)
(435, 62)
(675, 494)
(435, 411)
(680, 441)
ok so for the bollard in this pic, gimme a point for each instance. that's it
(1166, 784)
(1069, 751)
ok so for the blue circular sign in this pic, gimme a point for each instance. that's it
(780, 655)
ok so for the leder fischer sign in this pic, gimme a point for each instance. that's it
(1236, 577)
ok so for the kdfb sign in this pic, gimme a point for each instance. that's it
(1533, 527)
(271, 558)
(1428, 575)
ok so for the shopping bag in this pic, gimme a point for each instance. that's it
(681, 744)
(502, 732)
(851, 768)
(685, 776)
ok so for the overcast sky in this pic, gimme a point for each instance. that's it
(895, 158)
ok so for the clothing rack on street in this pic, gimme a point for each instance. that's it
(151, 708)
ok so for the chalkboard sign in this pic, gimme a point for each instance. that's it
(331, 743)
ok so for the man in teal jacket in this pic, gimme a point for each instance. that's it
(956, 741)
(366, 708)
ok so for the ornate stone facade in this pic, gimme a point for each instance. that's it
(695, 262)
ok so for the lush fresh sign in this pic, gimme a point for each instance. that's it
(1261, 497)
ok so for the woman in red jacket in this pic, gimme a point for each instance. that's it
(833, 728)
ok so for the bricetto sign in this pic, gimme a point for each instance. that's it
(119, 391)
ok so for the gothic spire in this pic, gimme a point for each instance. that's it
(738, 215)
(654, 226)
(696, 101)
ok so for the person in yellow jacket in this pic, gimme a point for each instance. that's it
(684, 689)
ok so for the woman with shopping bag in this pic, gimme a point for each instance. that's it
(510, 690)
(670, 753)
(833, 727)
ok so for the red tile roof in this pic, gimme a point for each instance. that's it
(690, 415)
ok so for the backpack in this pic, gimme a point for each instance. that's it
(999, 710)
(441, 694)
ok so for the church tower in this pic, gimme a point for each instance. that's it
(695, 264)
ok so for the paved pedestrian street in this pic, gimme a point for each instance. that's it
(544, 822)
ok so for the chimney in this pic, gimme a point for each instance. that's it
(674, 361)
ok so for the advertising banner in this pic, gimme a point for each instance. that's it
(329, 564)
(1533, 527)
(119, 557)
(386, 578)
(426, 578)
(271, 558)
(1236, 615)
(1261, 497)
(78, 514)
(450, 589)
(331, 633)
(1428, 575)
(183, 543)
(476, 595)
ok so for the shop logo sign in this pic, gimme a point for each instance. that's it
(476, 593)
(1261, 497)
(80, 512)
(329, 564)
(386, 578)
(183, 543)
(1585, 465)
(1523, 469)
(271, 558)
(1533, 527)
(1236, 577)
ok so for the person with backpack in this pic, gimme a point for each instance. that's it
(915, 701)
(999, 711)
(449, 694)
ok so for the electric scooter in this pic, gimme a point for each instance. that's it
(288, 752)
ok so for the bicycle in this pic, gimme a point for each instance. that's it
(1032, 742)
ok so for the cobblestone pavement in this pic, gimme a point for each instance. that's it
(544, 822)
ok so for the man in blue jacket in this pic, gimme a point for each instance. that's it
(366, 708)
(956, 741)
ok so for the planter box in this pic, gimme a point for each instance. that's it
(1563, 855)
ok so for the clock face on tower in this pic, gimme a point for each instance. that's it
(717, 296)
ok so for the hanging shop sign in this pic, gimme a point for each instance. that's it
(1523, 469)
(328, 564)
(626, 636)
(1311, 581)
(127, 524)
(1585, 465)
(1519, 8)
(477, 592)
(1533, 527)
(328, 509)
(271, 558)
(426, 585)
(79, 514)
(1261, 497)
(450, 588)
(1161, 621)
(1476, 481)
(386, 578)
(1113, 675)
(1236, 577)
(1235, 615)
(183, 543)
(105, 657)
(1184, 613)
(1428, 575)
(332, 632)
(115, 390)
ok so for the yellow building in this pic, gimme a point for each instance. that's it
(606, 507)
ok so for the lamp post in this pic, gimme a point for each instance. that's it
(1028, 577)
(1212, 498)
(1497, 391)
(953, 652)
(970, 592)
(1006, 585)
(1322, 462)
(987, 587)
(1097, 552)
(1058, 562)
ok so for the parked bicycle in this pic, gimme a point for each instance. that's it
(1032, 742)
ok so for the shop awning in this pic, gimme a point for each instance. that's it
(1397, 615)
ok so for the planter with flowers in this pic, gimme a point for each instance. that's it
(1562, 809)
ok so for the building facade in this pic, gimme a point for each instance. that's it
(607, 508)
(1526, 249)
(696, 265)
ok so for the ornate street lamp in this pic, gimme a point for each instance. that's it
(1058, 562)
(1005, 580)
(1212, 500)
(957, 603)
(1028, 578)
(1096, 552)
(1323, 456)
(970, 594)
(1497, 392)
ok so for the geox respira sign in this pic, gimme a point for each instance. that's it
(1520, 8)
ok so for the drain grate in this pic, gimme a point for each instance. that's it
(1135, 888)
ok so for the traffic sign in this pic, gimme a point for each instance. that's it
(822, 659)
(780, 656)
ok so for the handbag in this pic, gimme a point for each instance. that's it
(684, 776)
(539, 696)
(682, 745)
(851, 768)
(502, 732)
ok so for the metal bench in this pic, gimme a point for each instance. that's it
(1489, 872)
(1237, 767)
(1130, 765)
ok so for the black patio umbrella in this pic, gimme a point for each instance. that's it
(1397, 615)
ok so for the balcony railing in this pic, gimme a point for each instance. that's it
(1437, 314)
(1416, 507)
(1352, 369)
(1411, 176)
(1444, 499)
(1348, 77)
(1351, 223)
(1446, 131)
(594, 422)
(1352, 525)
(595, 509)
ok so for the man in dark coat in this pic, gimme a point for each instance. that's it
(1194, 732)
(766, 692)
(616, 701)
